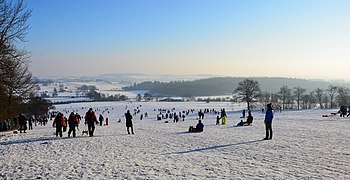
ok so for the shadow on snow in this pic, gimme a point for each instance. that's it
(22, 141)
(45, 140)
(215, 147)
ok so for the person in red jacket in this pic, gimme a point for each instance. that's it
(58, 123)
(90, 120)
(106, 121)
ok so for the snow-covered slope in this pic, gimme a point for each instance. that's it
(305, 145)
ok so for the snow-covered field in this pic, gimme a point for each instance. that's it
(71, 93)
(305, 146)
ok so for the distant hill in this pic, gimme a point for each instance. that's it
(132, 78)
(125, 77)
(226, 85)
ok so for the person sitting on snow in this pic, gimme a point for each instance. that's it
(199, 127)
(240, 123)
(249, 120)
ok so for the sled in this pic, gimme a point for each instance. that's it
(195, 131)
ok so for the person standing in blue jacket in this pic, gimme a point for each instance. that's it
(268, 122)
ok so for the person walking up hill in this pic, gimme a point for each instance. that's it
(22, 123)
(90, 120)
(73, 122)
(58, 123)
(128, 118)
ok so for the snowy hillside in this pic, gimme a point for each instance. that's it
(305, 146)
(69, 91)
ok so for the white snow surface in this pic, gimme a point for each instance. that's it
(305, 145)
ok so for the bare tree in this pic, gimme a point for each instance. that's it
(291, 100)
(16, 84)
(305, 98)
(299, 92)
(285, 94)
(248, 90)
(274, 98)
(319, 95)
(36, 106)
(343, 96)
(16, 81)
(312, 99)
(332, 91)
(326, 101)
(13, 28)
(265, 98)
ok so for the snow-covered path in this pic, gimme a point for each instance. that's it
(305, 145)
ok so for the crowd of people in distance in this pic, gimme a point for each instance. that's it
(269, 114)
(61, 123)
(22, 123)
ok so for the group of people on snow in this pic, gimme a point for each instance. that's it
(268, 121)
(91, 120)
(22, 123)
(61, 123)
(249, 119)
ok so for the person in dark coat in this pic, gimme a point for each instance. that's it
(128, 118)
(243, 113)
(268, 122)
(240, 123)
(199, 127)
(58, 123)
(90, 120)
(249, 119)
(73, 122)
(22, 123)
(30, 123)
(101, 119)
(200, 114)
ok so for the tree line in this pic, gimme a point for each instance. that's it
(297, 97)
(249, 91)
(224, 86)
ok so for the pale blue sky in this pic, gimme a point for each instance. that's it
(233, 38)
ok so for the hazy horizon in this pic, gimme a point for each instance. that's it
(169, 77)
(297, 39)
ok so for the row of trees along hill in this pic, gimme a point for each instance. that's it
(298, 97)
(250, 91)
(91, 92)
(224, 86)
(17, 85)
